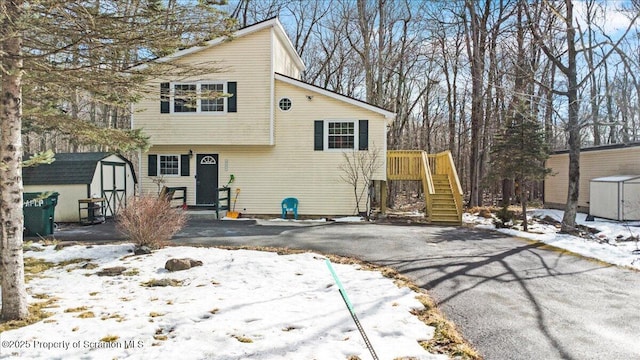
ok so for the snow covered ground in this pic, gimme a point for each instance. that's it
(239, 304)
(614, 242)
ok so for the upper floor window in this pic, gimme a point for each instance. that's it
(285, 104)
(185, 98)
(210, 99)
(200, 97)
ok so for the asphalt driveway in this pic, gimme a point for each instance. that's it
(511, 298)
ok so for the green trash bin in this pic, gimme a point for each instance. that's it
(39, 210)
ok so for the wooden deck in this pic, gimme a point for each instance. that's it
(437, 172)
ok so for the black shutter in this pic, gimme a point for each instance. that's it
(153, 165)
(184, 165)
(232, 101)
(165, 91)
(318, 135)
(363, 135)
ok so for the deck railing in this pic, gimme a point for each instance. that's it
(404, 165)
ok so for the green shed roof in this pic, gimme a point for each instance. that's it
(68, 169)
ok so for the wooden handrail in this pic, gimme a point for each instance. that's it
(445, 165)
(427, 183)
(426, 174)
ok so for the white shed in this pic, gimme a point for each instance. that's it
(77, 176)
(615, 197)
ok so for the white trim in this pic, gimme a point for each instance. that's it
(388, 114)
(356, 133)
(272, 94)
(273, 23)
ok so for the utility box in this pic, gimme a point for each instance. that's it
(39, 212)
(615, 197)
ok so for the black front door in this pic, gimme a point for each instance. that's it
(206, 178)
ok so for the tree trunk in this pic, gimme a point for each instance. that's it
(573, 125)
(14, 294)
(523, 199)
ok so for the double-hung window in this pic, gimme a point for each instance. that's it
(210, 99)
(185, 98)
(169, 164)
(341, 134)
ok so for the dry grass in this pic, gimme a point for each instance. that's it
(118, 317)
(162, 283)
(36, 313)
(110, 338)
(131, 272)
(76, 309)
(242, 339)
(34, 267)
(86, 315)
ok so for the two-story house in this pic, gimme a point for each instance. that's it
(277, 135)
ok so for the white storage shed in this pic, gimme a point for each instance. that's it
(77, 176)
(615, 197)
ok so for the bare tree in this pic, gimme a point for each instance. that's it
(570, 52)
(358, 169)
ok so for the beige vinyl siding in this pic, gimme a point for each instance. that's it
(67, 208)
(268, 174)
(282, 61)
(593, 164)
(245, 60)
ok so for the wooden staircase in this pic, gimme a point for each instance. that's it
(442, 190)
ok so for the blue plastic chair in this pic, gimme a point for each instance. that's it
(290, 204)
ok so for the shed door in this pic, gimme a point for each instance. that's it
(206, 178)
(114, 186)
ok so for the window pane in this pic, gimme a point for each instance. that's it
(210, 101)
(341, 135)
(185, 98)
(169, 165)
(285, 104)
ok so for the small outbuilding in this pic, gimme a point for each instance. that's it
(595, 162)
(78, 176)
(615, 197)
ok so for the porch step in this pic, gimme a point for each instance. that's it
(443, 206)
(204, 214)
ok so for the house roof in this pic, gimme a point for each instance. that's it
(616, 178)
(68, 169)
(269, 23)
(353, 101)
(600, 147)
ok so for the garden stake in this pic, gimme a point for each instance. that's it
(351, 310)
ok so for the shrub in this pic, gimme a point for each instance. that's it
(503, 217)
(150, 221)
